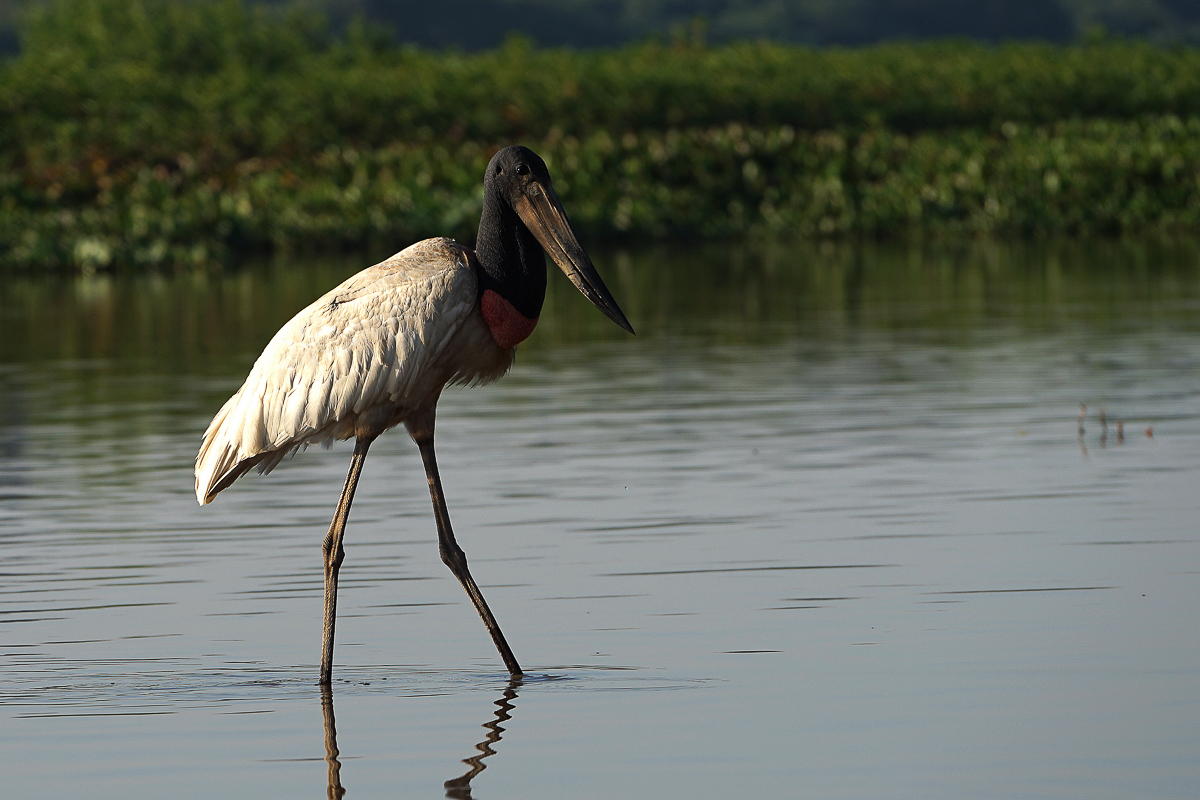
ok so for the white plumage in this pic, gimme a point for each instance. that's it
(356, 362)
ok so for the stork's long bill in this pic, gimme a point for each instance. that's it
(545, 218)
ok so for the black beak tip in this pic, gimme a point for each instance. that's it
(608, 306)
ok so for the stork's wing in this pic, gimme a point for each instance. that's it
(373, 345)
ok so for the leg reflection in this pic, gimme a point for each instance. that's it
(334, 790)
(460, 788)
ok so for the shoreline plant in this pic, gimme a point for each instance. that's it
(138, 133)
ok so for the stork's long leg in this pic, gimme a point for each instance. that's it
(421, 430)
(334, 554)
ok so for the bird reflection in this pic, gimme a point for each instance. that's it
(457, 788)
(460, 788)
(334, 790)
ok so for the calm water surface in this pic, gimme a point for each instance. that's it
(831, 526)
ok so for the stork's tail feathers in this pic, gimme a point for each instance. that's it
(230, 450)
(216, 457)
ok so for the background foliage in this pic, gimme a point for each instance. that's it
(482, 24)
(590, 23)
(161, 132)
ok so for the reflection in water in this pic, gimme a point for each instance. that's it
(214, 324)
(456, 788)
(334, 790)
(755, 437)
(460, 788)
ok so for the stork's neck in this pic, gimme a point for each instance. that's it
(512, 263)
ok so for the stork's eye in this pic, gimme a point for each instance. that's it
(522, 169)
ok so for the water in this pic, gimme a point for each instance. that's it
(826, 528)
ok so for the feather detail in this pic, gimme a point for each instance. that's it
(376, 348)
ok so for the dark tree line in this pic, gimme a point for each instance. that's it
(482, 24)
(475, 24)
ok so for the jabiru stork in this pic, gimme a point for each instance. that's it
(377, 350)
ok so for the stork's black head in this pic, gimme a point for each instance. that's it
(512, 169)
(522, 217)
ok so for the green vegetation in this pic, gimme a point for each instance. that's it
(482, 24)
(158, 132)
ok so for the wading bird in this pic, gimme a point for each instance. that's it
(377, 351)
